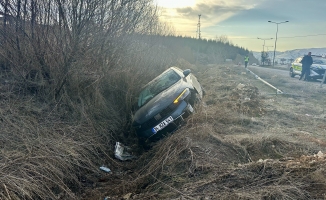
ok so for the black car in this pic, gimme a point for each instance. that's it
(164, 102)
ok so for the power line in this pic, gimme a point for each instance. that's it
(279, 37)
(303, 36)
(298, 36)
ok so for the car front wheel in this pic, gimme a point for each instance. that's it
(194, 99)
(291, 73)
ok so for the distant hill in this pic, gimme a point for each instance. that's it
(292, 54)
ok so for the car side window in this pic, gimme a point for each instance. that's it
(319, 61)
(323, 61)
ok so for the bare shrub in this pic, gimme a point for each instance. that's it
(58, 37)
(66, 62)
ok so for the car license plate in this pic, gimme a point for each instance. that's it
(162, 125)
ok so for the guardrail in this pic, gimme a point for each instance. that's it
(278, 91)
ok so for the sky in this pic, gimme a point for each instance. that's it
(244, 21)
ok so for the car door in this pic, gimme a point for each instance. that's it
(297, 66)
(196, 85)
(318, 66)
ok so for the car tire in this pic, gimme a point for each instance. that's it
(144, 143)
(291, 73)
(194, 99)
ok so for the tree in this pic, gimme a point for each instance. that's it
(282, 61)
(58, 37)
(264, 58)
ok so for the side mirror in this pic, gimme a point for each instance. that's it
(186, 72)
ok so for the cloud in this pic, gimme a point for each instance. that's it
(207, 10)
(212, 12)
(245, 20)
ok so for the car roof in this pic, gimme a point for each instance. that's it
(176, 68)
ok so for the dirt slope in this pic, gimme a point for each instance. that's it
(244, 142)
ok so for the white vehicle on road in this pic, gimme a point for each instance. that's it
(317, 69)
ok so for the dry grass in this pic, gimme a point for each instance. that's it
(232, 148)
(239, 143)
(35, 152)
(66, 97)
(242, 142)
(52, 148)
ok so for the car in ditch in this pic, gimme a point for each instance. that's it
(165, 102)
(317, 69)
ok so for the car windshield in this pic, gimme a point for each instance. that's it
(321, 61)
(156, 86)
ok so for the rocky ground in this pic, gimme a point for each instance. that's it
(245, 141)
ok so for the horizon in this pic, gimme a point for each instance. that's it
(308, 49)
(243, 22)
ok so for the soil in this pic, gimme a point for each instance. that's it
(245, 141)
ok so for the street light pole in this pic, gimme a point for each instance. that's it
(277, 23)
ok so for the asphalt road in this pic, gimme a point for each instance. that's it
(278, 79)
(279, 72)
(282, 72)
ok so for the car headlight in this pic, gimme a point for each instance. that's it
(182, 96)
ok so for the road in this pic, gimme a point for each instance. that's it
(281, 72)
(280, 81)
(278, 72)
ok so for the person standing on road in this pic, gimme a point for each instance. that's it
(246, 59)
(306, 63)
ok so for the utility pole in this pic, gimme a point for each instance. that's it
(277, 23)
(268, 46)
(198, 26)
(264, 41)
(263, 54)
(199, 36)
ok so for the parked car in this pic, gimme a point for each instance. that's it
(254, 64)
(317, 69)
(165, 101)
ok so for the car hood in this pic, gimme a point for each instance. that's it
(159, 102)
